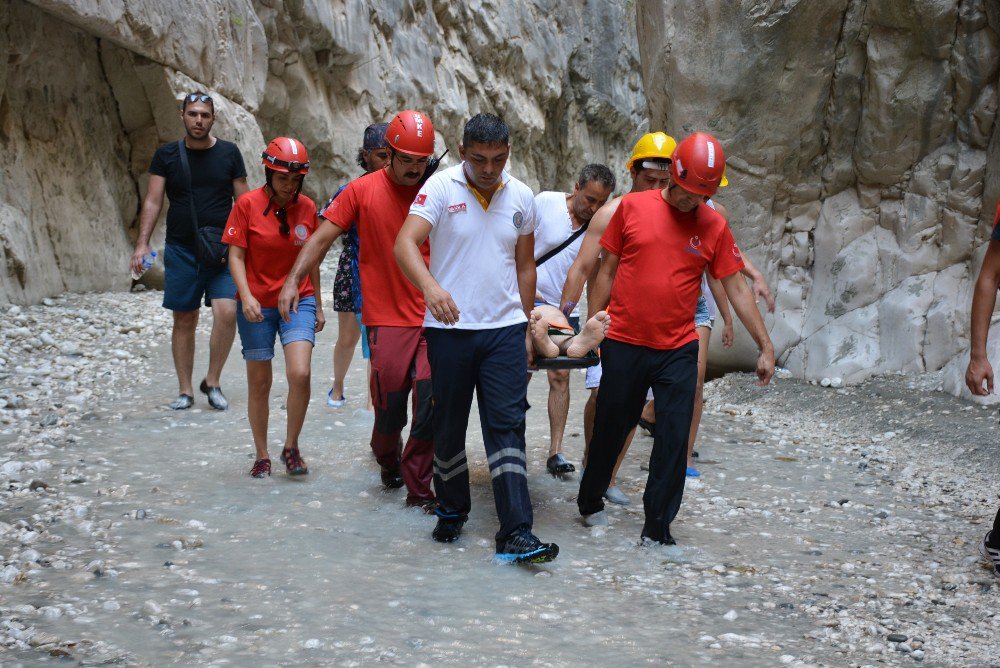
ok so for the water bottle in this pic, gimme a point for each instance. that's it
(147, 261)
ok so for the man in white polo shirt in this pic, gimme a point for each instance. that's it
(479, 289)
(562, 221)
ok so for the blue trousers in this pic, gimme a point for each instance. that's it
(628, 371)
(494, 364)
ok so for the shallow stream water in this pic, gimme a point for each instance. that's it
(192, 561)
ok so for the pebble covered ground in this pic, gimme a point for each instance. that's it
(830, 527)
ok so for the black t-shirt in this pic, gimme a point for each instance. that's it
(212, 173)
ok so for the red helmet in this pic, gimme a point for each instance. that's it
(285, 154)
(698, 164)
(411, 132)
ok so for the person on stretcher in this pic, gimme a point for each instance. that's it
(553, 336)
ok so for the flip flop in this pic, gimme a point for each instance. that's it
(558, 466)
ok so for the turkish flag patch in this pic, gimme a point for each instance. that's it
(421, 198)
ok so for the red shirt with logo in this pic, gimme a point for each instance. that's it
(663, 253)
(269, 254)
(378, 207)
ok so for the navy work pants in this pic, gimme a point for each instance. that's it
(494, 364)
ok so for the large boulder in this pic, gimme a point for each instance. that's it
(863, 154)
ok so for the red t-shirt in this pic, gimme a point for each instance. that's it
(269, 255)
(662, 254)
(378, 206)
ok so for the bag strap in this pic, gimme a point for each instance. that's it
(186, 169)
(561, 247)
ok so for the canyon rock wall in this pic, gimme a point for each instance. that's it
(861, 135)
(864, 157)
(90, 88)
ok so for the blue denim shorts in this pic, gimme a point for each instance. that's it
(702, 316)
(186, 282)
(258, 337)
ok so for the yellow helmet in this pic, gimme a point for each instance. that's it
(657, 145)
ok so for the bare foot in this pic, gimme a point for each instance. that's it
(544, 346)
(590, 336)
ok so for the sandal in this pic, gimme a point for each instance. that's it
(558, 466)
(261, 468)
(294, 464)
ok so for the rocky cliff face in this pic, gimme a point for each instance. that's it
(90, 89)
(861, 135)
(864, 157)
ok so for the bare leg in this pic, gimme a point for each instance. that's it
(558, 408)
(298, 357)
(348, 334)
(544, 346)
(649, 412)
(258, 399)
(704, 336)
(590, 336)
(589, 409)
(221, 340)
(182, 347)
(621, 457)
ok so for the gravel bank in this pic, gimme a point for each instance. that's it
(830, 526)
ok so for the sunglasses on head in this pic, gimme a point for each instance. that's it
(282, 217)
(196, 97)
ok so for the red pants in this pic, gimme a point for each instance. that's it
(399, 364)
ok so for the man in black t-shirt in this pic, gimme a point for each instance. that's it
(218, 176)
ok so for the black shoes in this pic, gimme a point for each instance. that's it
(523, 547)
(449, 528)
(216, 399)
(392, 478)
(558, 466)
(182, 402)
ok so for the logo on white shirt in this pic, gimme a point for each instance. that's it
(518, 219)
(457, 208)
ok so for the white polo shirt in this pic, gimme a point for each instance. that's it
(472, 248)
(555, 225)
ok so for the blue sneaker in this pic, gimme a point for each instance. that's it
(334, 403)
(692, 472)
(523, 547)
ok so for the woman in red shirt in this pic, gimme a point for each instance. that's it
(266, 230)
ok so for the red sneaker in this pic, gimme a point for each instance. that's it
(294, 464)
(261, 468)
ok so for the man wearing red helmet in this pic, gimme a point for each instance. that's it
(265, 232)
(201, 196)
(656, 248)
(479, 289)
(377, 204)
